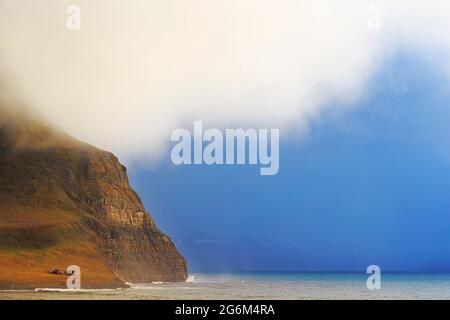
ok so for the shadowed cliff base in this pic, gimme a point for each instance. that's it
(64, 202)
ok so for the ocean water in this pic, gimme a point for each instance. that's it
(291, 286)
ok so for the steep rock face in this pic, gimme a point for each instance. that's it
(65, 202)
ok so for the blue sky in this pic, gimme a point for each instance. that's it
(369, 186)
(366, 185)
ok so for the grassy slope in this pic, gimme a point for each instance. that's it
(31, 245)
(64, 202)
(36, 233)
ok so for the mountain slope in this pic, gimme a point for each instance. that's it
(65, 202)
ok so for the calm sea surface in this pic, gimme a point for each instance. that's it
(266, 286)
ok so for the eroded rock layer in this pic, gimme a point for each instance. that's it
(65, 202)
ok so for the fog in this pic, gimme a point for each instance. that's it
(137, 70)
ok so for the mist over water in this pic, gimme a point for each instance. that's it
(267, 286)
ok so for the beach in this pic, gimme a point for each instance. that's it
(263, 286)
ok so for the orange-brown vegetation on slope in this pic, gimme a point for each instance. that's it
(64, 202)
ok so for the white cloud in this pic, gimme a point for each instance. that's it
(138, 69)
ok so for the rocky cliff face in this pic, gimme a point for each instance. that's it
(64, 202)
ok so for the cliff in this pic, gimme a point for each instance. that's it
(65, 202)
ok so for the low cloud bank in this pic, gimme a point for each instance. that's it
(135, 71)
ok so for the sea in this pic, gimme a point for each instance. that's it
(264, 286)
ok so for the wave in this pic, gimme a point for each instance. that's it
(73, 290)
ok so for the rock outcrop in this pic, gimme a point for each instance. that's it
(65, 202)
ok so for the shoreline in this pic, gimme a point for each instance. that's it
(257, 286)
